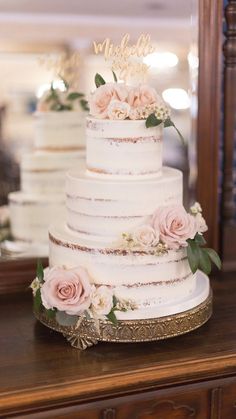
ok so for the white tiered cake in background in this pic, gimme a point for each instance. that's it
(59, 144)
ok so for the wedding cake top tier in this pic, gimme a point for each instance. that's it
(60, 130)
(123, 148)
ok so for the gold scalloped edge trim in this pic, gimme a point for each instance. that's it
(128, 331)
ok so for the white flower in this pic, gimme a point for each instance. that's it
(136, 113)
(35, 285)
(146, 236)
(118, 110)
(162, 112)
(101, 301)
(4, 215)
(124, 305)
(201, 225)
(196, 208)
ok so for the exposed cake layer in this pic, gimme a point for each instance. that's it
(123, 147)
(31, 215)
(44, 172)
(60, 130)
(108, 208)
(148, 280)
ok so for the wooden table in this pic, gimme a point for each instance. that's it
(192, 376)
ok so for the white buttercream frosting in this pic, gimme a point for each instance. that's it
(108, 208)
(123, 147)
(31, 215)
(60, 130)
(44, 172)
(151, 281)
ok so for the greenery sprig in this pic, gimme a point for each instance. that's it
(200, 257)
(56, 104)
(153, 121)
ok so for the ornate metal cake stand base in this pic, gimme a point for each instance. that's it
(87, 333)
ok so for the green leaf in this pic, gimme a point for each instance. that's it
(169, 123)
(99, 80)
(115, 301)
(74, 95)
(214, 257)
(199, 239)
(37, 300)
(193, 255)
(152, 121)
(114, 76)
(204, 261)
(40, 271)
(65, 319)
(50, 313)
(84, 104)
(112, 317)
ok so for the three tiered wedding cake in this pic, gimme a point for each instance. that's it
(128, 251)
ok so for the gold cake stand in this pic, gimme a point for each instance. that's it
(87, 333)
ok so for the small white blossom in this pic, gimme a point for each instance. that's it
(101, 301)
(196, 208)
(35, 285)
(201, 225)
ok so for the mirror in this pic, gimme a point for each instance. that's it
(32, 30)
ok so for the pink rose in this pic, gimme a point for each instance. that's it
(101, 98)
(175, 225)
(67, 290)
(142, 95)
(146, 236)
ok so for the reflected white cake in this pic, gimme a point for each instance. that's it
(59, 145)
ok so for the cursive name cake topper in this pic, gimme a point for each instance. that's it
(65, 65)
(124, 56)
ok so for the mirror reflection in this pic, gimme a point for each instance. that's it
(42, 119)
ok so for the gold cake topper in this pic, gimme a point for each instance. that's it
(65, 66)
(120, 55)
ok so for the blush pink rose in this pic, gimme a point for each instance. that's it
(146, 236)
(66, 290)
(142, 95)
(175, 225)
(101, 98)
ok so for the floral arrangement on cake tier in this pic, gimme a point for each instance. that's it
(68, 296)
(172, 228)
(57, 100)
(118, 101)
(66, 68)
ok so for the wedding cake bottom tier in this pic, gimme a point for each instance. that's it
(31, 215)
(150, 285)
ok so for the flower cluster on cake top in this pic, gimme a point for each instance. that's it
(171, 228)
(66, 100)
(119, 101)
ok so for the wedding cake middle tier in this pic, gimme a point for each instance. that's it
(104, 209)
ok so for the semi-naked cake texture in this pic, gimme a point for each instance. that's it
(123, 148)
(117, 192)
(59, 145)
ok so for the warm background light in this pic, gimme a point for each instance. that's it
(161, 60)
(177, 98)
